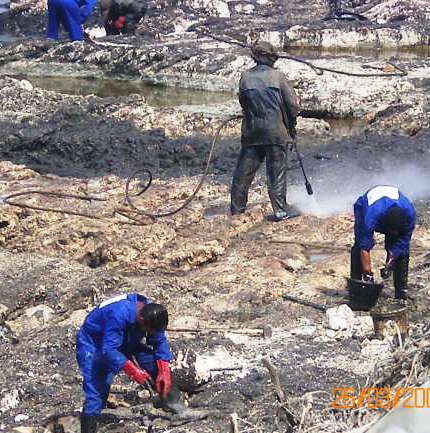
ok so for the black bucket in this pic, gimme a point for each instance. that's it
(362, 295)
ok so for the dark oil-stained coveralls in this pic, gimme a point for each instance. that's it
(107, 339)
(369, 211)
(270, 108)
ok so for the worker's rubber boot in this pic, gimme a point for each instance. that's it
(88, 423)
(172, 403)
(356, 270)
(400, 276)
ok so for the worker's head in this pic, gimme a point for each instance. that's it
(153, 318)
(394, 221)
(264, 53)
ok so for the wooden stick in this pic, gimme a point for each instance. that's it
(292, 418)
(305, 302)
(226, 369)
(244, 331)
(234, 425)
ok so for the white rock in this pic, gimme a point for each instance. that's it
(340, 318)
(305, 330)
(21, 417)
(363, 326)
(76, 319)
(96, 32)
(24, 429)
(9, 401)
(25, 85)
(41, 312)
(376, 350)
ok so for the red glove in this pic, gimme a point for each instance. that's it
(135, 373)
(118, 24)
(163, 381)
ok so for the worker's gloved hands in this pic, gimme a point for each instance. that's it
(138, 375)
(163, 381)
(119, 23)
(367, 277)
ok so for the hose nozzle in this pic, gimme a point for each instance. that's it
(309, 188)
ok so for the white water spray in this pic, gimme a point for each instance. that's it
(337, 188)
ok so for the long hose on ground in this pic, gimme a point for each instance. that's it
(193, 195)
(128, 197)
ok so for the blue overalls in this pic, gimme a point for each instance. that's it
(369, 211)
(72, 14)
(107, 339)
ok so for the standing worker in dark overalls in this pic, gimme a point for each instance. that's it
(270, 109)
(383, 209)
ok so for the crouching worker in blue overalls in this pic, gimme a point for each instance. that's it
(111, 339)
(71, 14)
(383, 209)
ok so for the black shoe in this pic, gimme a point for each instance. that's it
(88, 423)
(282, 217)
(402, 295)
(236, 212)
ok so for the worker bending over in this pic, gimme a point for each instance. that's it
(110, 340)
(383, 209)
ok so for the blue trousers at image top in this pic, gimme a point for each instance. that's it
(67, 13)
(96, 375)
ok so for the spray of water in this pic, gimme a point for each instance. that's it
(337, 188)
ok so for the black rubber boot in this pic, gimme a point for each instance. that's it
(88, 423)
(400, 277)
(356, 270)
(276, 170)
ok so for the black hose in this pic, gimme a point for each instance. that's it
(319, 70)
(192, 196)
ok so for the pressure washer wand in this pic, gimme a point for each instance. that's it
(307, 183)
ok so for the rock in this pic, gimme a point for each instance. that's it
(20, 417)
(3, 311)
(23, 429)
(305, 330)
(340, 318)
(25, 85)
(376, 350)
(363, 326)
(9, 401)
(75, 319)
(42, 313)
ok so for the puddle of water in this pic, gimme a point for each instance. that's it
(5, 37)
(156, 96)
(315, 258)
(411, 53)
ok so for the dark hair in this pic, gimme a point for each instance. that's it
(395, 220)
(155, 316)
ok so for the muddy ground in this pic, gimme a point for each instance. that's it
(210, 269)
